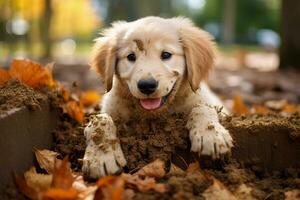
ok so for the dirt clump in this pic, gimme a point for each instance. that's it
(144, 140)
(14, 94)
(69, 141)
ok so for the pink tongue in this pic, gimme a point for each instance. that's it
(150, 104)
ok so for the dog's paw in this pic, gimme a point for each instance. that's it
(102, 160)
(213, 140)
(103, 155)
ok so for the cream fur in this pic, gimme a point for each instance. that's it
(192, 58)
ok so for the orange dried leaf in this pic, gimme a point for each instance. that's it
(31, 73)
(260, 109)
(31, 193)
(89, 98)
(290, 108)
(46, 159)
(62, 174)
(239, 106)
(4, 76)
(60, 194)
(75, 110)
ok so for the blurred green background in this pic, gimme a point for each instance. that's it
(63, 30)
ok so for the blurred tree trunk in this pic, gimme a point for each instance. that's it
(45, 30)
(229, 21)
(290, 34)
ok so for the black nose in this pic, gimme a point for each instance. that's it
(147, 86)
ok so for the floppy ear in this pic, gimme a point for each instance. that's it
(104, 59)
(199, 51)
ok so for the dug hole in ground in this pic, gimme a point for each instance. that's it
(264, 163)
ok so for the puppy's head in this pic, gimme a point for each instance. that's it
(152, 56)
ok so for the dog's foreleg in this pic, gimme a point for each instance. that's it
(103, 154)
(207, 135)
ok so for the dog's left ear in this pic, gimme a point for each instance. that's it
(199, 51)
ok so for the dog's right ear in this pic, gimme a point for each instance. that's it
(104, 59)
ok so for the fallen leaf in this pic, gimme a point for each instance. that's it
(292, 194)
(46, 159)
(4, 76)
(110, 188)
(175, 170)
(32, 73)
(88, 193)
(259, 109)
(218, 191)
(143, 185)
(193, 168)
(60, 194)
(244, 192)
(62, 174)
(89, 98)
(239, 106)
(290, 108)
(41, 182)
(75, 110)
(154, 169)
(28, 191)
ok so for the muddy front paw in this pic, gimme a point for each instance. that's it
(103, 155)
(213, 140)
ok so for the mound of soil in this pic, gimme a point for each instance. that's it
(151, 139)
(167, 138)
(14, 94)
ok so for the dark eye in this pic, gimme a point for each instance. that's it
(131, 57)
(165, 55)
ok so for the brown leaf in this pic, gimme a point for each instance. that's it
(62, 174)
(110, 188)
(218, 191)
(175, 170)
(40, 182)
(143, 185)
(32, 73)
(292, 194)
(4, 76)
(46, 159)
(89, 98)
(75, 110)
(239, 106)
(28, 191)
(193, 168)
(154, 169)
(60, 194)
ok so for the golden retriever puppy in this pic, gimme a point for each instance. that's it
(150, 66)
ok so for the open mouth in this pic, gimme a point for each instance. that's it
(155, 103)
